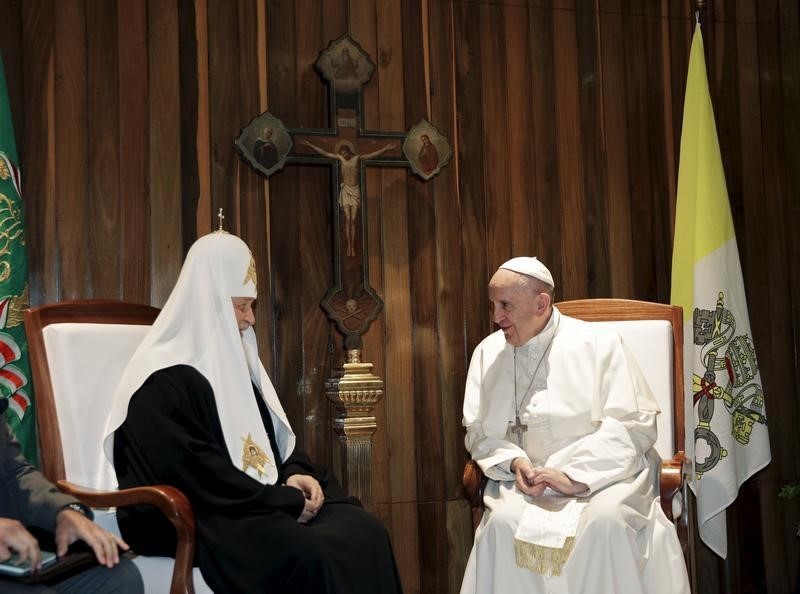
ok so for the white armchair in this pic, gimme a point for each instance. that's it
(78, 351)
(653, 332)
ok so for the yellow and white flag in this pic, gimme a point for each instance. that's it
(724, 401)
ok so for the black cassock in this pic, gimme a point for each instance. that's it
(248, 537)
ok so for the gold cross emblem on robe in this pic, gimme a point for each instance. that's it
(253, 456)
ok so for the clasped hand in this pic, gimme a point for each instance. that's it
(533, 480)
(313, 493)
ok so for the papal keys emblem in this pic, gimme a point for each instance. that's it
(729, 379)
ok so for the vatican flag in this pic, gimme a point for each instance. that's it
(724, 400)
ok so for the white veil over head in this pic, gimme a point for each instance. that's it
(197, 327)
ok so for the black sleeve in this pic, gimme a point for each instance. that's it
(172, 435)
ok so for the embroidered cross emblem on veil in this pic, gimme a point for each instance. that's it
(251, 273)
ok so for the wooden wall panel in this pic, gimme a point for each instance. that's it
(37, 146)
(449, 263)
(250, 187)
(284, 97)
(163, 25)
(494, 112)
(614, 127)
(71, 145)
(546, 207)
(134, 149)
(569, 154)
(11, 31)
(103, 157)
(519, 158)
(315, 244)
(594, 162)
(638, 79)
(468, 69)
(565, 119)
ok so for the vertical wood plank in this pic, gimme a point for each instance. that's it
(639, 143)
(547, 207)
(38, 150)
(468, 81)
(494, 147)
(459, 542)
(11, 27)
(594, 157)
(573, 278)
(519, 121)
(315, 242)
(165, 147)
(450, 336)
(659, 188)
(790, 407)
(134, 150)
(426, 406)
(203, 132)
(433, 549)
(614, 125)
(71, 145)
(103, 133)
(450, 332)
(253, 204)
(224, 82)
(362, 24)
(421, 228)
(778, 365)
(284, 219)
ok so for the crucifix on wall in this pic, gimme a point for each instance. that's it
(348, 148)
(267, 146)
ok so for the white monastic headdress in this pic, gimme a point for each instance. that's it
(530, 267)
(197, 327)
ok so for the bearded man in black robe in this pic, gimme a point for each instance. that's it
(196, 409)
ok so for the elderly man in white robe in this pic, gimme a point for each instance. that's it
(562, 422)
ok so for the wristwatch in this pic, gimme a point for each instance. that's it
(80, 508)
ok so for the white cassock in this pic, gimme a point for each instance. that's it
(590, 414)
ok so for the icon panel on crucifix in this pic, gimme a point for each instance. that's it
(426, 149)
(265, 143)
(345, 65)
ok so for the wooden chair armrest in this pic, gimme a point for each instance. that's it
(673, 481)
(171, 501)
(670, 479)
(473, 481)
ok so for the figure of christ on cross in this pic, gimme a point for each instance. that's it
(349, 188)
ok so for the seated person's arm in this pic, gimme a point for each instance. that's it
(626, 423)
(41, 504)
(180, 449)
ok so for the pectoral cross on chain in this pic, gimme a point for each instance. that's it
(519, 429)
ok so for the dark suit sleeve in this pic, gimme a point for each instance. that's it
(27, 495)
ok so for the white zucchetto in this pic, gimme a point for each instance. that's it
(530, 267)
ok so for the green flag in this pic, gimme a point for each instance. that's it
(14, 365)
